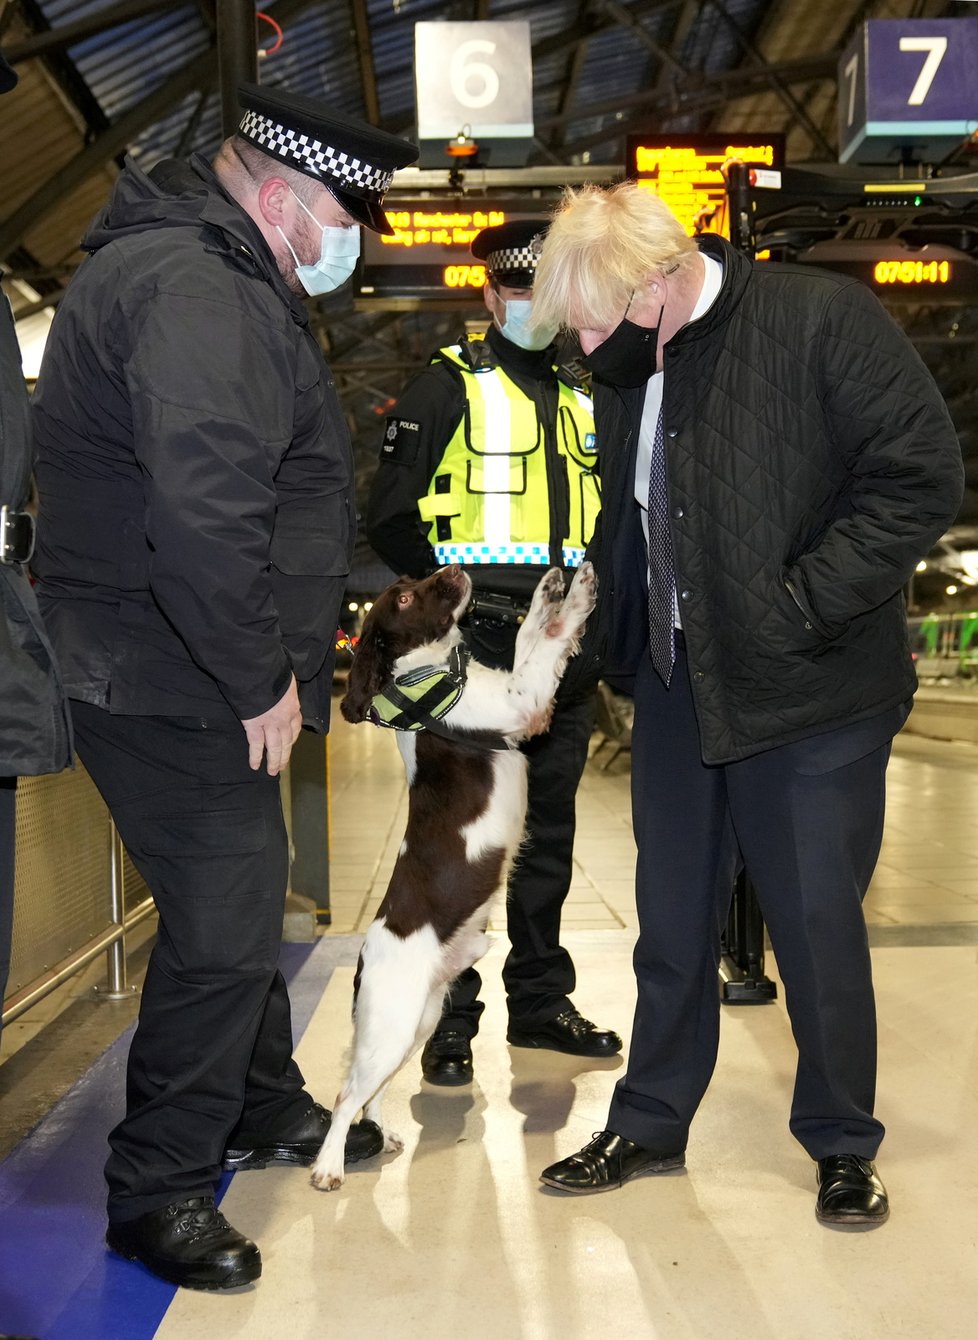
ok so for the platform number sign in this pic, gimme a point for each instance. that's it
(475, 77)
(908, 90)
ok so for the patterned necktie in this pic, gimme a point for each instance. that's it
(662, 582)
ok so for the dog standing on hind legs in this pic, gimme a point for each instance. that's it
(459, 737)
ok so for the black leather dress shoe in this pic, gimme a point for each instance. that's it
(607, 1162)
(188, 1243)
(447, 1058)
(569, 1032)
(301, 1141)
(850, 1192)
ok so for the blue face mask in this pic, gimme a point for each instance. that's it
(517, 327)
(337, 258)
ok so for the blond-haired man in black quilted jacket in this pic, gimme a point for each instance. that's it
(775, 460)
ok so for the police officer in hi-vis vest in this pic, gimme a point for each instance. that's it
(488, 461)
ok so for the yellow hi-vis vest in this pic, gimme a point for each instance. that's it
(489, 500)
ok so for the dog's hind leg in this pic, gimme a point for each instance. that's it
(393, 1002)
(426, 1026)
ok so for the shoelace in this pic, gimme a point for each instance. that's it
(575, 1021)
(200, 1222)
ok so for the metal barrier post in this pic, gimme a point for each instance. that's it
(117, 987)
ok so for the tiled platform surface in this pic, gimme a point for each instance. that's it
(456, 1236)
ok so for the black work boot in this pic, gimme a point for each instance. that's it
(188, 1243)
(447, 1058)
(300, 1141)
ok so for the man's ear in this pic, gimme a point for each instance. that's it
(272, 195)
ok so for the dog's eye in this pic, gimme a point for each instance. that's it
(405, 598)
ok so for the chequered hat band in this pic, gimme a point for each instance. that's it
(311, 155)
(512, 258)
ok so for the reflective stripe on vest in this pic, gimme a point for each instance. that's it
(470, 554)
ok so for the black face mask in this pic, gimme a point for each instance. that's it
(627, 356)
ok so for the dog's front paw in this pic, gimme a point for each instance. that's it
(548, 594)
(584, 587)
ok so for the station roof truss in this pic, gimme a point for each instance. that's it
(102, 79)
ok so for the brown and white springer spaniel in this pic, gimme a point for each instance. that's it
(466, 810)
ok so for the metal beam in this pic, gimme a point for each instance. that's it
(697, 96)
(626, 19)
(106, 146)
(200, 74)
(365, 56)
(237, 56)
(788, 98)
(575, 67)
(56, 39)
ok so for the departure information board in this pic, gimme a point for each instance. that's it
(909, 279)
(686, 171)
(428, 255)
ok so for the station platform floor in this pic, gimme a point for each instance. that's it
(455, 1235)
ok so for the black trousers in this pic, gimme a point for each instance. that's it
(538, 973)
(808, 819)
(212, 1052)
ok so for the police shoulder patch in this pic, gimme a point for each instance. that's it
(402, 438)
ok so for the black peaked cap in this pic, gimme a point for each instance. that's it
(354, 160)
(511, 250)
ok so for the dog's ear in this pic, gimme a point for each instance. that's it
(368, 675)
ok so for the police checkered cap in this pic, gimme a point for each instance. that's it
(355, 161)
(511, 250)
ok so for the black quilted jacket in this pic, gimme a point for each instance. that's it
(811, 463)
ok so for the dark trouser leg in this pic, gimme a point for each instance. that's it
(463, 1008)
(8, 832)
(213, 1044)
(687, 860)
(810, 841)
(539, 973)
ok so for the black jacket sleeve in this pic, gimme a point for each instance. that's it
(415, 437)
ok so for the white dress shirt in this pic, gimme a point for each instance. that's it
(712, 279)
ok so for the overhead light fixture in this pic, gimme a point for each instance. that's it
(462, 145)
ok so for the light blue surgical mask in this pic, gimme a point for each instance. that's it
(337, 257)
(517, 327)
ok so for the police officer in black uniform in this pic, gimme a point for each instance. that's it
(488, 460)
(197, 525)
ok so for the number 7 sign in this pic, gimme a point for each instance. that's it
(908, 90)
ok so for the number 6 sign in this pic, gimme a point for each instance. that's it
(908, 90)
(475, 77)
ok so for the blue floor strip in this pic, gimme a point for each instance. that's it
(57, 1279)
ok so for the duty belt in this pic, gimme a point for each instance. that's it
(16, 535)
(496, 608)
